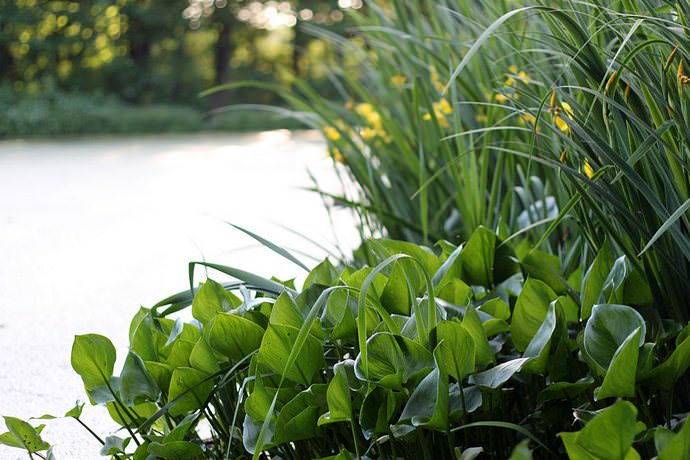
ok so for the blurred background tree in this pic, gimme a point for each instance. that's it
(143, 52)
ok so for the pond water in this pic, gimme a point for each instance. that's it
(90, 230)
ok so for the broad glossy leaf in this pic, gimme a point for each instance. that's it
(324, 274)
(620, 376)
(666, 374)
(396, 294)
(276, 345)
(136, 384)
(540, 345)
(609, 434)
(483, 355)
(565, 390)
(8, 439)
(426, 257)
(211, 299)
(298, 418)
(677, 447)
(456, 292)
(607, 329)
(530, 311)
(392, 360)
(234, 336)
(27, 436)
(477, 258)
(179, 353)
(455, 349)
(93, 358)
(594, 279)
(498, 375)
(184, 379)
(428, 403)
(203, 358)
(378, 408)
(338, 398)
(544, 267)
(176, 450)
(521, 451)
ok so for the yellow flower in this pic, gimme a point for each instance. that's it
(589, 171)
(500, 97)
(560, 121)
(398, 80)
(524, 77)
(349, 105)
(481, 118)
(443, 106)
(368, 133)
(364, 109)
(426, 117)
(338, 155)
(331, 133)
(529, 120)
(436, 79)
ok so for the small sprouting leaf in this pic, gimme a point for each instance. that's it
(27, 436)
(530, 311)
(210, 299)
(93, 358)
(176, 450)
(75, 412)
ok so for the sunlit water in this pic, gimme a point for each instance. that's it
(91, 230)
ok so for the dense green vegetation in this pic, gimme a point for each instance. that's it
(145, 62)
(528, 167)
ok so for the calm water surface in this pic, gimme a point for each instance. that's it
(91, 230)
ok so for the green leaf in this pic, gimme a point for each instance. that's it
(521, 451)
(378, 408)
(678, 447)
(136, 384)
(498, 375)
(483, 355)
(620, 376)
(191, 386)
(93, 358)
(393, 360)
(396, 294)
(203, 358)
(666, 374)
(324, 274)
(114, 445)
(477, 258)
(428, 403)
(540, 345)
(455, 349)
(530, 311)
(10, 440)
(298, 418)
(276, 345)
(594, 279)
(606, 330)
(176, 450)
(565, 390)
(338, 398)
(26, 435)
(609, 434)
(75, 412)
(544, 267)
(234, 336)
(210, 299)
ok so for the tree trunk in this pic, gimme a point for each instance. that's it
(222, 55)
